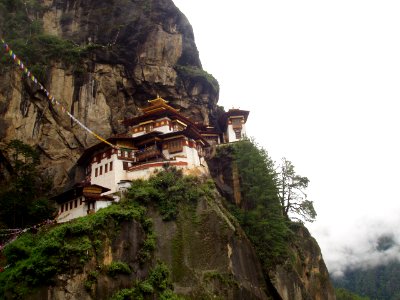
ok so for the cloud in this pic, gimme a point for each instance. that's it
(369, 242)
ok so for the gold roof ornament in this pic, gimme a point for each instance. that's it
(157, 104)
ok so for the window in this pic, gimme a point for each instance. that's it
(175, 146)
(125, 165)
(111, 166)
(238, 133)
(105, 168)
(237, 122)
(70, 205)
(148, 127)
(62, 207)
(66, 206)
(95, 173)
(101, 170)
(76, 203)
(80, 202)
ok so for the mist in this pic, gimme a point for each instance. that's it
(369, 242)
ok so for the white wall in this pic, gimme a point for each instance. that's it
(102, 204)
(111, 178)
(165, 128)
(79, 211)
(231, 133)
(73, 213)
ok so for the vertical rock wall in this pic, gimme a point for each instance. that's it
(136, 49)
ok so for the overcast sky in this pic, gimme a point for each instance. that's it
(322, 82)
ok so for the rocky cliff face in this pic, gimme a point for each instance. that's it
(207, 254)
(304, 274)
(137, 50)
(306, 277)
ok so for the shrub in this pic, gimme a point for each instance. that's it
(118, 267)
(158, 283)
(168, 188)
(191, 72)
(35, 259)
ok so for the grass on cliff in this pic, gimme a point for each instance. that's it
(34, 259)
(167, 189)
(157, 283)
(191, 72)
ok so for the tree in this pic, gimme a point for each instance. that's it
(292, 196)
(260, 213)
(343, 294)
(23, 198)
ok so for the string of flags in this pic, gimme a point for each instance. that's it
(13, 234)
(49, 96)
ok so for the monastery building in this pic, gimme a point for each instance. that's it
(160, 136)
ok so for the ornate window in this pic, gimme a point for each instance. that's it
(238, 133)
(148, 127)
(175, 146)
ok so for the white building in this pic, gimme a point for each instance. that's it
(81, 201)
(160, 136)
(234, 122)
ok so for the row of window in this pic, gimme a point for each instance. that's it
(100, 156)
(107, 167)
(71, 204)
(127, 154)
(151, 126)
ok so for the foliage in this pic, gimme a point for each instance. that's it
(260, 213)
(118, 267)
(23, 198)
(379, 282)
(292, 194)
(343, 294)
(148, 247)
(158, 283)
(91, 279)
(18, 18)
(192, 72)
(225, 279)
(36, 258)
(167, 189)
(23, 31)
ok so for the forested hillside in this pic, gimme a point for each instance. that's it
(377, 283)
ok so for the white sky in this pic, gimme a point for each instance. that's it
(322, 82)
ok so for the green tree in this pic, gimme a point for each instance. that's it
(23, 198)
(343, 294)
(260, 214)
(292, 196)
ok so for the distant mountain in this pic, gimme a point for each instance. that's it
(378, 283)
(343, 294)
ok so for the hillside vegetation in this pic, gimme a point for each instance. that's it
(380, 282)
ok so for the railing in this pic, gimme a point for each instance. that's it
(147, 154)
